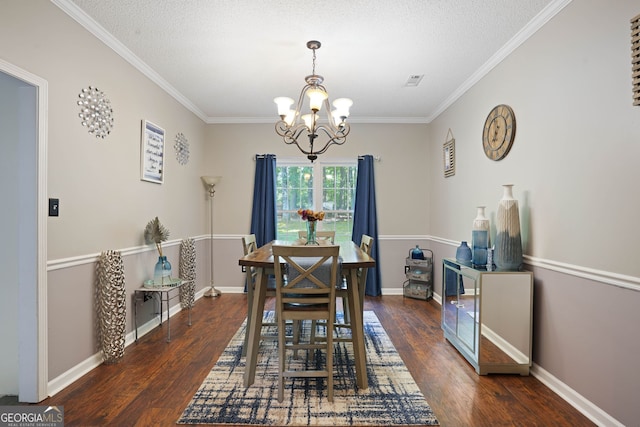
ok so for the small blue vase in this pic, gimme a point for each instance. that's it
(162, 271)
(463, 253)
(417, 253)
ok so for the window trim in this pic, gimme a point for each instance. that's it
(316, 166)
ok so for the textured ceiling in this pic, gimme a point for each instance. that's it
(227, 59)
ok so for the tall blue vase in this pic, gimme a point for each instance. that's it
(508, 247)
(480, 238)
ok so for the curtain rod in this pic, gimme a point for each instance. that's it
(261, 156)
(376, 158)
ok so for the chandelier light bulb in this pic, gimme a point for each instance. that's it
(342, 106)
(290, 117)
(309, 121)
(284, 105)
(337, 118)
(316, 98)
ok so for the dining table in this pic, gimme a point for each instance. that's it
(352, 258)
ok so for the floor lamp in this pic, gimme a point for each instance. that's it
(210, 184)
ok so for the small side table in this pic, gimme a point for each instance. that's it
(166, 293)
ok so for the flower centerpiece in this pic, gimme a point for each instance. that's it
(311, 218)
(156, 233)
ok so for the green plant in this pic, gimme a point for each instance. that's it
(156, 233)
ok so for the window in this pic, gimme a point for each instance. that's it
(330, 187)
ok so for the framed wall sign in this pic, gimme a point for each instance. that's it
(152, 153)
(449, 155)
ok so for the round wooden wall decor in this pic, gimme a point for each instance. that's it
(499, 132)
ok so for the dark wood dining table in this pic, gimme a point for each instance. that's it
(352, 259)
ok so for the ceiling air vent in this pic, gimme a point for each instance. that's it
(635, 59)
(414, 80)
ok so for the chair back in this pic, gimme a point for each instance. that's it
(249, 246)
(327, 235)
(366, 244)
(314, 281)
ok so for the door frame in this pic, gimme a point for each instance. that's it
(33, 369)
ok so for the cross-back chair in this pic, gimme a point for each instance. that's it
(366, 245)
(248, 246)
(308, 294)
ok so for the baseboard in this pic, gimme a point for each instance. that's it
(575, 399)
(572, 397)
(67, 378)
(588, 409)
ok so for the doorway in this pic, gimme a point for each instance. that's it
(23, 314)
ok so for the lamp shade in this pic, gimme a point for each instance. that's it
(309, 120)
(342, 106)
(316, 98)
(284, 104)
(210, 180)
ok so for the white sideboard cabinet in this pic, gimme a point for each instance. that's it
(488, 316)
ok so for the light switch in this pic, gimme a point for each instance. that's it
(54, 207)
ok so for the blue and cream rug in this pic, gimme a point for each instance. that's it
(393, 398)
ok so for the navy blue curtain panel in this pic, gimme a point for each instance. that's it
(365, 219)
(263, 215)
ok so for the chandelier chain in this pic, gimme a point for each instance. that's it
(314, 62)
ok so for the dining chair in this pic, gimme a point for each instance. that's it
(326, 235)
(308, 294)
(366, 245)
(248, 246)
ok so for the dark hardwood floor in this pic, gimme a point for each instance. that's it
(155, 380)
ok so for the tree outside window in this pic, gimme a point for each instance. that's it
(320, 186)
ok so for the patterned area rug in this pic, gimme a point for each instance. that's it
(393, 398)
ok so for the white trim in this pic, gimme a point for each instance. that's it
(107, 38)
(572, 397)
(610, 278)
(76, 372)
(551, 10)
(607, 277)
(41, 338)
(575, 399)
(62, 263)
(352, 119)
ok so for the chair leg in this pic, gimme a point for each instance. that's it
(281, 356)
(345, 310)
(297, 329)
(329, 360)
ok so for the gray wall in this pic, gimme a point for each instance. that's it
(573, 165)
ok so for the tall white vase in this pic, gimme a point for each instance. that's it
(480, 238)
(508, 245)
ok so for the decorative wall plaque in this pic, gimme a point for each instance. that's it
(95, 112)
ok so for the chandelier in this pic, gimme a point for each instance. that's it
(293, 123)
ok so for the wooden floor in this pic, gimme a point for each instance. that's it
(155, 381)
